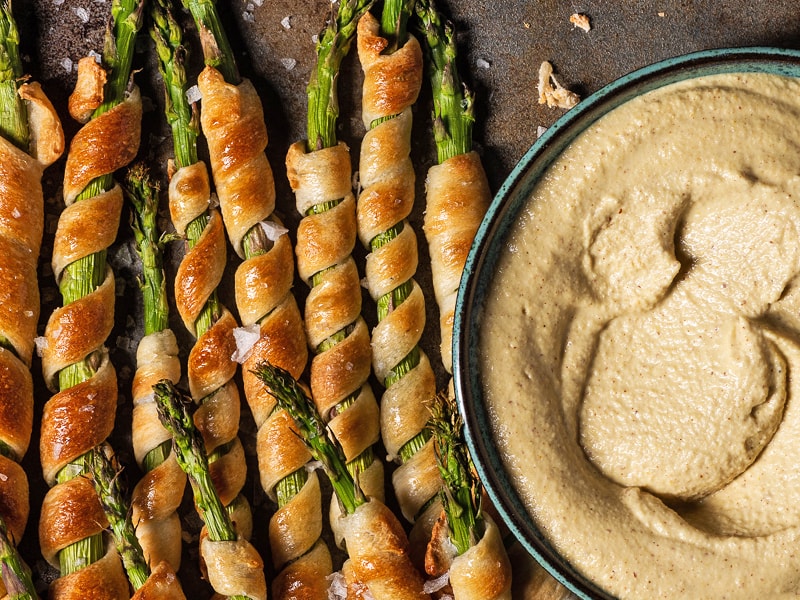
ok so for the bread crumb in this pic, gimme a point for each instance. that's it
(580, 21)
(553, 93)
(662, 14)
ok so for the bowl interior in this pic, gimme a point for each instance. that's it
(476, 282)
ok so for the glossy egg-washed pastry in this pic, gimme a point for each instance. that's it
(75, 361)
(25, 151)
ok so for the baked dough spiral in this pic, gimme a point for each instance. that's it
(78, 418)
(337, 333)
(457, 198)
(233, 122)
(158, 494)
(391, 85)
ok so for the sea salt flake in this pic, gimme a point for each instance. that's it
(482, 64)
(288, 63)
(540, 131)
(434, 585)
(98, 58)
(41, 345)
(58, 2)
(245, 338)
(337, 588)
(82, 14)
(249, 17)
(67, 64)
(250, 7)
(193, 95)
(286, 22)
(273, 230)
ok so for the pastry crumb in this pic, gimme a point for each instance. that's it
(580, 21)
(553, 93)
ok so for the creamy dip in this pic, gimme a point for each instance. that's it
(642, 338)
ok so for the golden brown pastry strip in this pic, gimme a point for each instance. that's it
(233, 123)
(80, 417)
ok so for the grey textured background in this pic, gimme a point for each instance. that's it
(501, 44)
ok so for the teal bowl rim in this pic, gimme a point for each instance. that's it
(489, 241)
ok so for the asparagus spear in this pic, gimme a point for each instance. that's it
(106, 478)
(216, 48)
(173, 410)
(86, 274)
(462, 491)
(15, 573)
(13, 114)
(332, 47)
(323, 446)
(183, 121)
(453, 103)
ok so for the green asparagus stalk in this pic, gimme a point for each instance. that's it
(462, 491)
(184, 122)
(453, 110)
(142, 193)
(216, 48)
(332, 47)
(15, 573)
(106, 479)
(13, 113)
(173, 410)
(322, 444)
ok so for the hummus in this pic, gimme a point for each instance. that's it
(641, 344)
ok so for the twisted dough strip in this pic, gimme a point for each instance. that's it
(79, 418)
(458, 196)
(21, 223)
(233, 123)
(391, 85)
(158, 494)
(379, 555)
(162, 584)
(324, 245)
(482, 573)
(210, 366)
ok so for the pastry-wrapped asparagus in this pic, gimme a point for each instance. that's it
(158, 583)
(75, 360)
(392, 64)
(319, 172)
(376, 543)
(210, 368)
(233, 566)
(233, 123)
(158, 494)
(465, 544)
(458, 192)
(31, 138)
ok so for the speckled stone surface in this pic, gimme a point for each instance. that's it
(501, 44)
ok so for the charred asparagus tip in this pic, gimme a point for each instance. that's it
(322, 444)
(107, 482)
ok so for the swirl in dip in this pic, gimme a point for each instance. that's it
(641, 344)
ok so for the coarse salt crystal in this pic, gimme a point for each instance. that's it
(245, 338)
(288, 63)
(98, 58)
(540, 131)
(249, 17)
(67, 64)
(58, 2)
(482, 64)
(250, 7)
(273, 230)
(434, 585)
(193, 95)
(82, 14)
(315, 38)
(41, 344)
(285, 22)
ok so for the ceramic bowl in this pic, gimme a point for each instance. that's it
(476, 283)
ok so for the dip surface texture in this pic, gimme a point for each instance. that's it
(640, 347)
